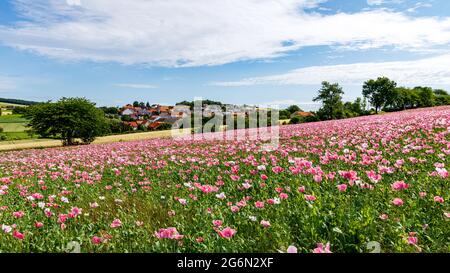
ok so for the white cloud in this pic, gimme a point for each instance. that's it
(135, 85)
(375, 2)
(428, 71)
(206, 32)
(73, 2)
(382, 2)
(419, 5)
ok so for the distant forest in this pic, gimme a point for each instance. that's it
(16, 101)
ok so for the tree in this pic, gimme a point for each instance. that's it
(295, 120)
(135, 104)
(69, 118)
(19, 110)
(110, 110)
(284, 114)
(379, 92)
(115, 126)
(441, 97)
(440, 92)
(331, 97)
(143, 128)
(293, 108)
(126, 118)
(354, 109)
(426, 96)
(147, 104)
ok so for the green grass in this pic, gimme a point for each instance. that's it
(15, 136)
(13, 124)
(13, 127)
(12, 119)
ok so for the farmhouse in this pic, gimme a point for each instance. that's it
(302, 114)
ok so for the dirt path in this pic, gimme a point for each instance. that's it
(47, 143)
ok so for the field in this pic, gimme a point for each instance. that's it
(14, 127)
(5, 104)
(376, 183)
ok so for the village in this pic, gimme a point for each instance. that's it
(159, 117)
(150, 118)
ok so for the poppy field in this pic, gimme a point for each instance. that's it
(369, 184)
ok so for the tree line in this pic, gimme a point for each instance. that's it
(382, 94)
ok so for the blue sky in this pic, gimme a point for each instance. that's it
(237, 51)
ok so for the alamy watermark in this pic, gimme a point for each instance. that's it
(227, 123)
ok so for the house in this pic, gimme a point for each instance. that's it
(166, 119)
(181, 111)
(179, 114)
(127, 112)
(132, 124)
(144, 112)
(140, 122)
(164, 109)
(155, 125)
(302, 114)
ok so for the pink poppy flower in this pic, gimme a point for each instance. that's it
(291, 249)
(412, 240)
(96, 240)
(318, 178)
(277, 169)
(259, 204)
(321, 249)
(217, 223)
(62, 218)
(227, 233)
(397, 202)
(18, 235)
(235, 177)
(399, 185)
(38, 224)
(168, 233)
(310, 197)
(18, 214)
(265, 223)
(75, 212)
(438, 199)
(342, 187)
(116, 223)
